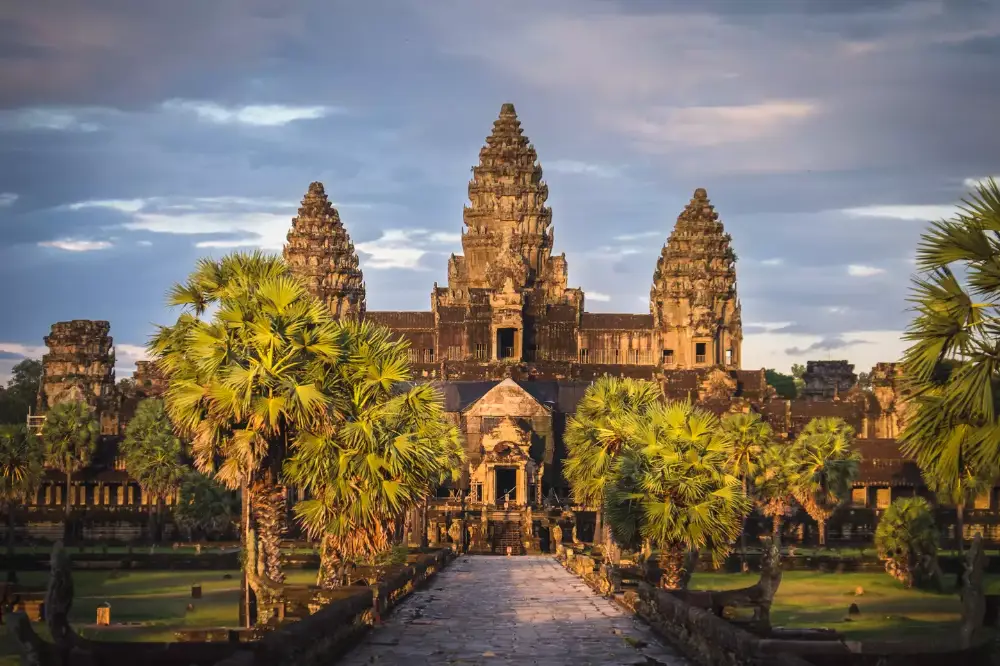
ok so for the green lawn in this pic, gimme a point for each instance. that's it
(155, 601)
(888, 610)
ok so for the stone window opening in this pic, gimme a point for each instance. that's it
(506, 338)
(430, 355)
(584, 355)
(883, 498)
(481, 352)
(859, 497)
(699, 352)
(668, 357)
(729, 356)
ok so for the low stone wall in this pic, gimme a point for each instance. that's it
(328, 634)
(713, 641)
(319, 638)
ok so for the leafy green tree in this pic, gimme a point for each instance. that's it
(386, 450)
(745, 437)
(799, 373)
(246, 362)
(951, 371)
(21, 471)
(906, 537)
(153, 456)
(826, 466)
(206, 509)
(22, 389)
(70, 435)
(597, 432)
(672, 485)
(784, 384)
(774, 483)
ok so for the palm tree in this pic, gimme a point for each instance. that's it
(246, 360)
(21, 458)
(745, 436)
(950, 371)
(826, 465)
(955, 477)
(153, 457)
(672, 485)
(906, 538)
(69, 433)
(385, 450)
(596, 434)
(774, 483)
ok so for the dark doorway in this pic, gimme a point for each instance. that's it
(506, 484)
(505, 342)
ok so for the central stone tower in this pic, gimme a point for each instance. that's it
(506, 274)
(693, 298)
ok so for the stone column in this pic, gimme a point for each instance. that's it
(522, 486)
(491, 482)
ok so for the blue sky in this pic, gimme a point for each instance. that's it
(137, 136)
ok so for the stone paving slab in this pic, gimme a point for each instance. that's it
(510, 610)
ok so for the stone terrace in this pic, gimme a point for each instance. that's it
(517, 610)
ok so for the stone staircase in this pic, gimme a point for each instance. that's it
(508, 534)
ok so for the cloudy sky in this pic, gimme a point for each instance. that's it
(137, 136)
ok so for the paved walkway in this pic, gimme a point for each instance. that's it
(510, 610)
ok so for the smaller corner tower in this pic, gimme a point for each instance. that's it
(693, 299)
(319, 250)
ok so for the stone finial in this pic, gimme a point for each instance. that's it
(701, 194)
(507, 109)
(319, 250)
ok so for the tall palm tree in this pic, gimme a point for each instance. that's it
(70, 433)
(246, 360)
(596, 434)
(956, 477)
(153, 457)
(672, 485)
(21, 471)
(745, 436)
(384, 451)
(826, 465)
(774, 483)
(951, 370)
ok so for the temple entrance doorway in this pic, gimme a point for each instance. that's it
(506, 485)
(505, 342)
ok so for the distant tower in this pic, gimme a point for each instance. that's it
(320, 251)
(693, 299)
(80, 367)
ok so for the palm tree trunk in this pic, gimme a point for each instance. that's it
(743, 533)
(67, 532)
(329, 575)
(423, 526)
(248, 600)
(960, 529)
(776, 525)
(10, 528)
(673, 574)
(599, 527)
(821, 524)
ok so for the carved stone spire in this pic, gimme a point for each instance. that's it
(694, 288)
(320, 251)
(507, 201)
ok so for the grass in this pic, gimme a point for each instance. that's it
(888, 610)
(155, 601)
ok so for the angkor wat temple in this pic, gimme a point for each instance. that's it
(513, 349)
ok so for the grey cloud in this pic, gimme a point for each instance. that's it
(7, 356)
(826, 344)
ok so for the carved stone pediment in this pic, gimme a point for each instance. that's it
(718, 384)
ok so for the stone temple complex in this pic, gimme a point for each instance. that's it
(513, 348)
